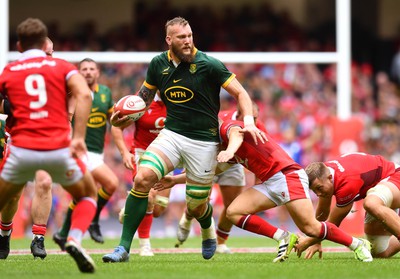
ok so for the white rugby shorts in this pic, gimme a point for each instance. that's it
(20, 165)
(197, 157)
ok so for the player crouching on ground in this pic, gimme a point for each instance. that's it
(284, 183)
(350, 178)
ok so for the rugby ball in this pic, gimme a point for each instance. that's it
(132, 106)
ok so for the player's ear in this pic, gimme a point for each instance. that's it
(168, 40)
(19, 47)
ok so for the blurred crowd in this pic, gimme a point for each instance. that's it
(297, 101)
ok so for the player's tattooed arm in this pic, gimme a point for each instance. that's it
(147, 94)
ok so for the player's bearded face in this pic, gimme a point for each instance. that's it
(184, 53)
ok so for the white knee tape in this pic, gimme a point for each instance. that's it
(383, 193)
(196, 196)
(379, 243)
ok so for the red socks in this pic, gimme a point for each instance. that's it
(145, 226)
(333, 233)
(39, 229)
(83, 214)
(256, 224)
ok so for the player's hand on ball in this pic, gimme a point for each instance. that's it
(118, 120)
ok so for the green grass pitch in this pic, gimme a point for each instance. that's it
(187, 263)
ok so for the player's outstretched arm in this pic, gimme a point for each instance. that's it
(127, 157)
(235, 89)
(235, 137)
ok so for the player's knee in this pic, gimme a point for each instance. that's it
(144, 180)
(232, 214)
(152, 163)
(196, 197)
(114, 183)
(369, 204)
(311, 229)
(380, 244)
(378, 196)
(111, 185)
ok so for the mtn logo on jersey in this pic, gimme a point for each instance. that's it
(97, 119)
(178, 94)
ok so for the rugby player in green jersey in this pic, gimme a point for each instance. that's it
(189, 82)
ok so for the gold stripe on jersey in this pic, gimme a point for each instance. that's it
(226, 83)
(149, 86)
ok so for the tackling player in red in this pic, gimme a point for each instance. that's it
(353, 177)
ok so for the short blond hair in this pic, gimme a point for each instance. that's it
(176, 20)
(316, 170)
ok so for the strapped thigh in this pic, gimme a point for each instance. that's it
(154, 162)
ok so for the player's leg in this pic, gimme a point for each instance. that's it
(242, 213)
(302, 213)
(229, 193)
(176, 206)
(18, 167)
(384, 244)
(135, 210)
(60, 237)
(41, 207)
(184, 226)
(6, 224)
(84, 193)
(294, 193)
(153, 166)
(379, 203)
(200, 165)
(145, 227)
(380, 200)
(231, 183)
(104, 176)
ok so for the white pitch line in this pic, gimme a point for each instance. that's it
(178, 250)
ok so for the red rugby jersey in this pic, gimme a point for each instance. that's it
(149, 125)
(36, 86)
(264, 159)
(355, 173)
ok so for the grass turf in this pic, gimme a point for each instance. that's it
(192, 265)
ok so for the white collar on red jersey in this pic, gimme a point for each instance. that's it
(234, 115)
(332, 171)
(32, 53)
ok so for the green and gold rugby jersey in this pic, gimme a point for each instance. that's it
(190, 93)
(102, 106)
